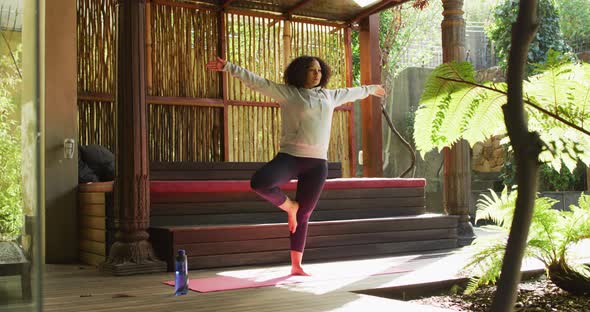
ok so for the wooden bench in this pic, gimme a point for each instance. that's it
(223, 223)
(209, 210)
(95, 200)
(95, 222)
(216, 202)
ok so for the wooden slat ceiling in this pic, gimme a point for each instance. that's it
(345, 11)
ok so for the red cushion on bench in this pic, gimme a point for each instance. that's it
(216, 186)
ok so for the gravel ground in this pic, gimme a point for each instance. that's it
(539, 295)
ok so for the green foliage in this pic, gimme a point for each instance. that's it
(563, 88)
(479, 11)
(403, 30)
(456, 109)
(574, 13)
(548, 34)
(11, 217)
(449, 110)
(549, 179)
(551, 235)
(403, 26)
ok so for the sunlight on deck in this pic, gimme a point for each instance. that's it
(326, 277)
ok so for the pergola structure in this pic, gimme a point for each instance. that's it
(330, 23)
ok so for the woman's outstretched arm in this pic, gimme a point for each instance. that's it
(346, 95)
(266, 87)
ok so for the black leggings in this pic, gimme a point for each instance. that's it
(311, 174)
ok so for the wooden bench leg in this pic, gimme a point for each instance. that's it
(25, 281)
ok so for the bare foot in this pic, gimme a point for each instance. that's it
(292, 216)
(299, 271)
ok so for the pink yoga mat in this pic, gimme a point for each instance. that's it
(221, 283)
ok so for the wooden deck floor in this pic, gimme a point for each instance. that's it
(73, 288)
(334, 287)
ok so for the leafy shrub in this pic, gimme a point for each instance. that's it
(10, 179)
(548, 35)
(549, 178)
(574, 13)
(11, 216)
(552, 234)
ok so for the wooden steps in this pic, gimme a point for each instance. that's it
(250, 244)
(174, 209)
(223, 223)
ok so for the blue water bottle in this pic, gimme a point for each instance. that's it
(181, 280)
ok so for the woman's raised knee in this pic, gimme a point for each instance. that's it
(257, 184)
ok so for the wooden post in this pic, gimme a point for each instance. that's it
(132, 253)
(287, 42)
(371, 106)
(457, 159)
(348, 63)
(222, 31)
(149, 47)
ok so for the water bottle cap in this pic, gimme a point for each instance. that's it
(181, 252)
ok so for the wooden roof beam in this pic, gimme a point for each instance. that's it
(226, 3)
(376, 8)
(287, 14)
(296, 7)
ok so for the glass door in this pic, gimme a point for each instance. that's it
(20, 157)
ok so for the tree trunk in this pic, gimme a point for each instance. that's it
(527, 147)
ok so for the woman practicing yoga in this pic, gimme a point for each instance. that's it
(306, 115)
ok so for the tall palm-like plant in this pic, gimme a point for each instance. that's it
(552, 234)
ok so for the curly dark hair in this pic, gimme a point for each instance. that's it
(296, 72)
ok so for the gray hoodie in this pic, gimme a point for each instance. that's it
(306, 114)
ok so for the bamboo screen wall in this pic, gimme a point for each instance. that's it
(180, 41)
(187, 103)
(254, 120)
(96, 66)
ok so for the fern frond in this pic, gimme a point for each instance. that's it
(565, 92)
(436, 101)
(552, 86)
(487, 111)
(456, 109)
(576, 224)
(551, 235)
(489, 262)
(498, 209)
(541, 250)
(465, 101)
(584, 78)
(485, 248)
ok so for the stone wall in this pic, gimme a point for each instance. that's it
(401, 105)
(488, 156)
